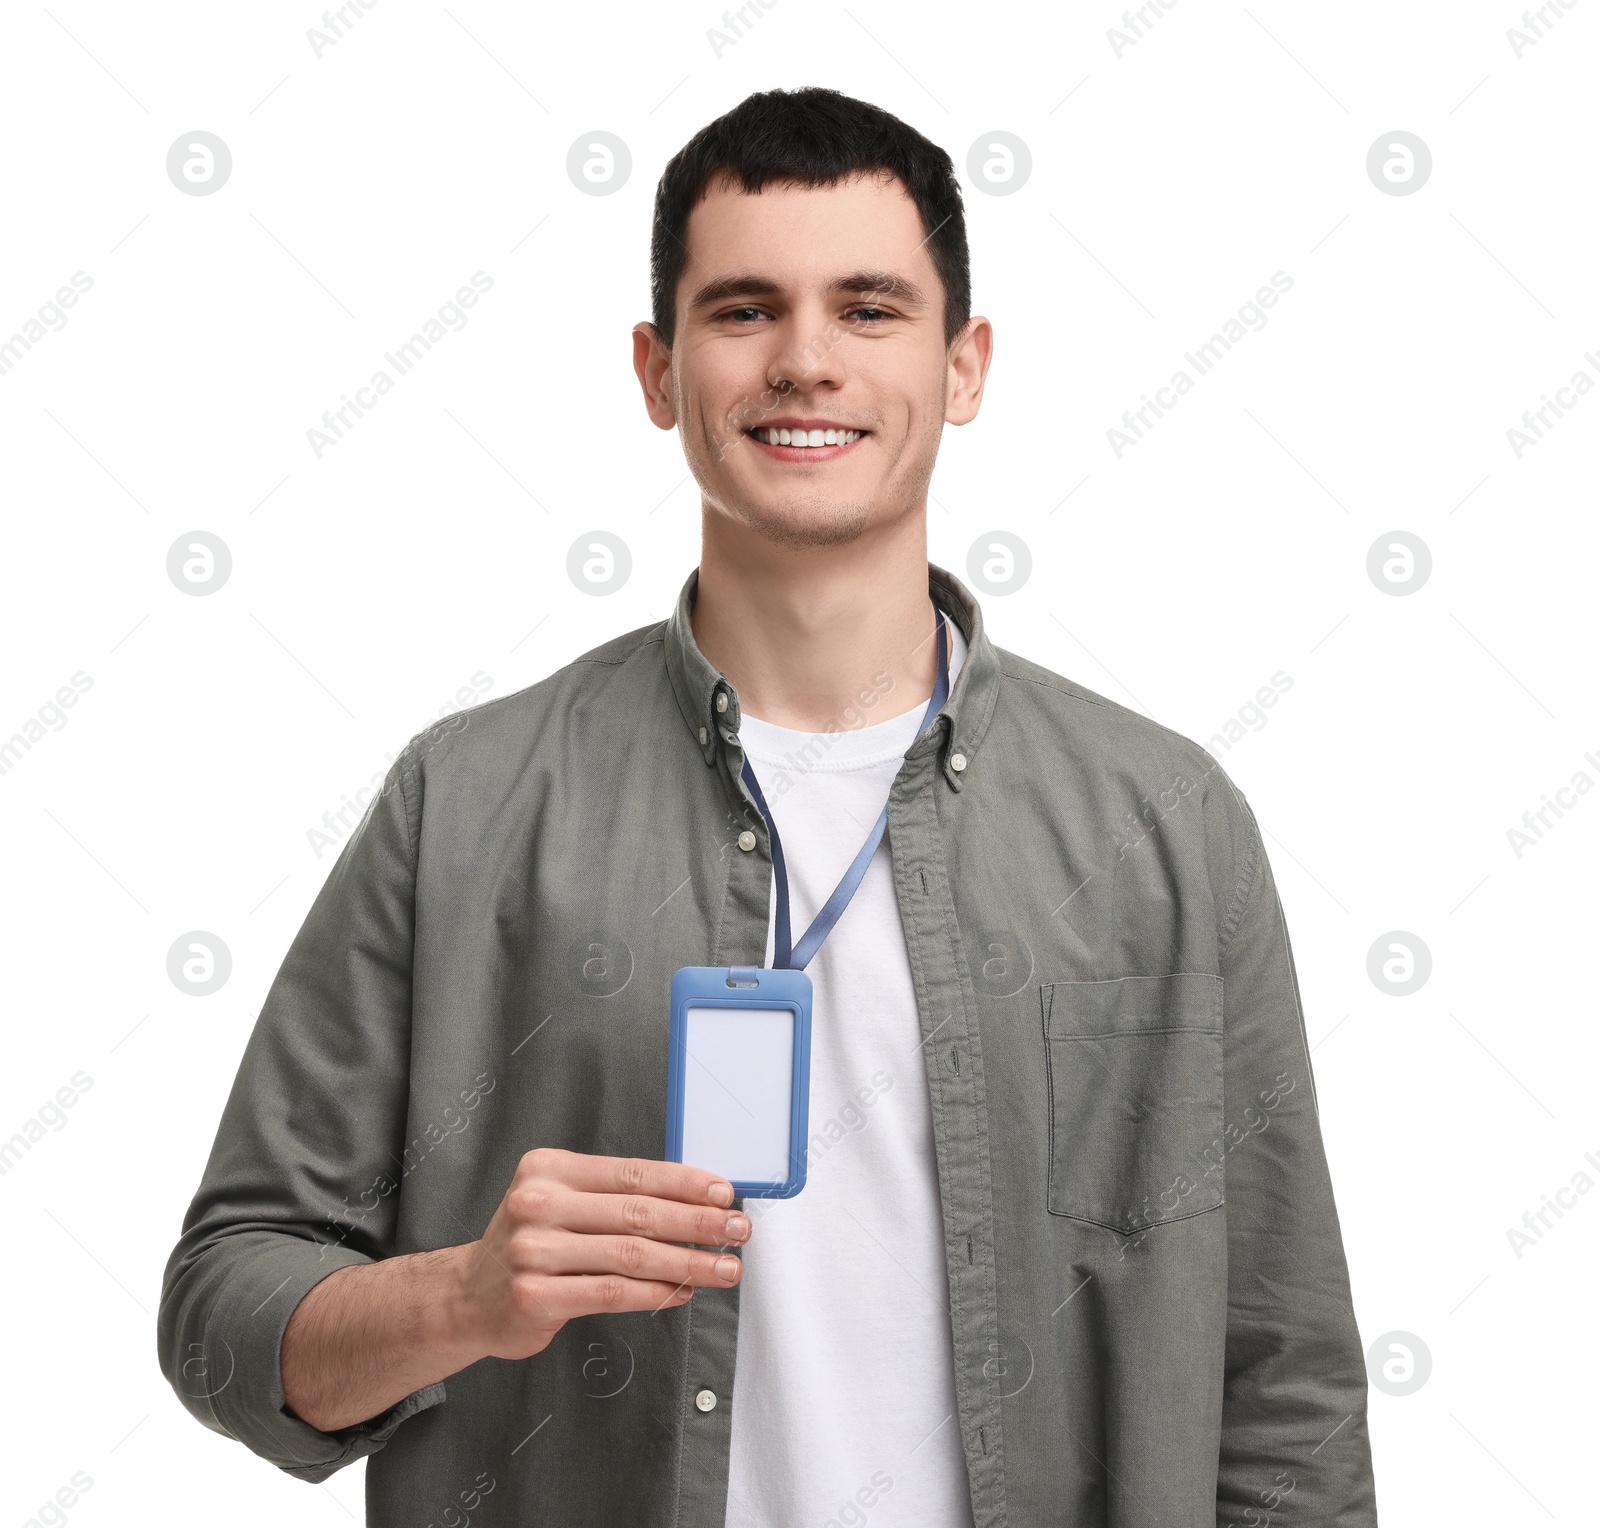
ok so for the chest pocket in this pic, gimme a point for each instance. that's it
(1135, 1072)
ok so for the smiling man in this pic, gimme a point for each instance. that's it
(1067, 1250)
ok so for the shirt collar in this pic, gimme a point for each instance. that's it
(957, 733)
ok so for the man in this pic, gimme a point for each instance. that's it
(1067, 1252)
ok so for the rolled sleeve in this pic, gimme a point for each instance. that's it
(221, 1344)
(300, 1183)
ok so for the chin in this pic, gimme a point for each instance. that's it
(804, 522)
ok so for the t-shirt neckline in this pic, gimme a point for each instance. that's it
(856, 748)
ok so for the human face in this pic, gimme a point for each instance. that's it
(811, 309)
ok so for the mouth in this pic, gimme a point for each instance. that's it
(805, 440)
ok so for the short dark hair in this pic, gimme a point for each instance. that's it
(810, 137)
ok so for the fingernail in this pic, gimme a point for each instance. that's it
(721, 1193)
(737, 1226)
(727, 1269)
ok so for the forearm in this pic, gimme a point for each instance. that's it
(369, 1335)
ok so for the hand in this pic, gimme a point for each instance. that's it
(579, 1235)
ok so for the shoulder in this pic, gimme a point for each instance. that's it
(1136, 757)
(509, 727)
(1093, 722)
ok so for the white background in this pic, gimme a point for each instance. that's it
(430, 545)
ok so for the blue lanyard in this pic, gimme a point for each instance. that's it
(796, 959)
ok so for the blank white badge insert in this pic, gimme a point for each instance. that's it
(738, 1090)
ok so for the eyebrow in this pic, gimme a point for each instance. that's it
(751, 285)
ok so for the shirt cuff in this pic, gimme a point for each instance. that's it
(230, 1372)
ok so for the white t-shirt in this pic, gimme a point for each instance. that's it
(844, 1406)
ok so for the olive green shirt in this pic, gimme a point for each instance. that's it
(1149, 1305)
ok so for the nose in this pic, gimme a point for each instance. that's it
(813, 354)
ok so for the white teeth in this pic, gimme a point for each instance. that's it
(774, 436)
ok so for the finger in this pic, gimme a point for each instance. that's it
(634, 1257)
(662, 1220)
(564, 1297)
(632, 1175)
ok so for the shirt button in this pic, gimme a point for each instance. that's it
(722, 700)
(703, 736)
(706, 1400)
(958, 762)
(747, 841)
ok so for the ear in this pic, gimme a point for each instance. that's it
(652, 363)
(970, 354)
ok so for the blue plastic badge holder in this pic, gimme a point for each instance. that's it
(739, 1083)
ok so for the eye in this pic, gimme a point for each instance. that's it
(870, 315)
(744, 315)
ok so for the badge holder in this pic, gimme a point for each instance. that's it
(739, 1080)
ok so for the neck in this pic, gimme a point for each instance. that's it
(818, 638)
